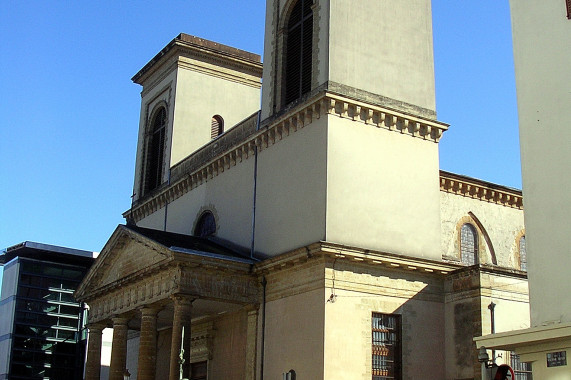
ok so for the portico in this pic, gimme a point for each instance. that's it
(155, 285)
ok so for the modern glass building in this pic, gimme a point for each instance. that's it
(42, 333)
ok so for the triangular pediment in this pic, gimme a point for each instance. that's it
(126, 253)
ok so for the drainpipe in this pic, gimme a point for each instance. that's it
(492, 306)
(255, 191)
(264, 283)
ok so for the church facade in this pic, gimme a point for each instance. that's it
(316, 236)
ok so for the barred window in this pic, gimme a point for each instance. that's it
(468, 244)
(522, 371)
(522, 254)
(298, 51)
(217, 126)
(155, 151)
(386, 341)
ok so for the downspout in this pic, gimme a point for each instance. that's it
(492, 306)
(253, 242)
(264, 283)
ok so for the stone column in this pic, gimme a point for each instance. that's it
(181, 318)
(148, 344)
(93, 363)
(118, 349)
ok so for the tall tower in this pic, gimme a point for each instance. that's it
(191, 89)
(358, 77)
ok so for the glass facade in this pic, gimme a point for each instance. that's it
(47, 339)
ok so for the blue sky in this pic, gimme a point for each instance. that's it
(70, 111)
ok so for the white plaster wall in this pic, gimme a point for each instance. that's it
(198, 97)
(290, 205)
(294, 336)
(348, 347)
(543, 79)
(503, 225)
(384, 47)
(229, 196)
(382, 190)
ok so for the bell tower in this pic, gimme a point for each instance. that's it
(348, 91)
(379, 51)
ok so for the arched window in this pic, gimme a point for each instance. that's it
(469, 244)
(298, 51)
(522, 254)
(206, 225)
(155, 151)
(217, 126)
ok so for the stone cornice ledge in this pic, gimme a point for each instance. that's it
(477, 189)
(355, 255)
(324, 103)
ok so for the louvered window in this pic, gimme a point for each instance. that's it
(386, 334)
(298, 65)
(217, 126)
(469, 244)
(156, 151)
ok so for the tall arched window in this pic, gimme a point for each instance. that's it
(298, 51)
(522, 254)
(155, 151)
(206, 225)
(217, 126)
(469, 244)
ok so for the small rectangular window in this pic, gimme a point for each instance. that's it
(386, 340)
(568, 8)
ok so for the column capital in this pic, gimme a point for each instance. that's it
(183, 299)
(149, 310)
(96, 328)
(120, 320)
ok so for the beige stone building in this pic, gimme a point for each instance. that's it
(543, 81)
(316, 236)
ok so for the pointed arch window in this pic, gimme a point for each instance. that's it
(217, 126)
(298, 51)
(468, 244)
(522, 254)
(155, 151)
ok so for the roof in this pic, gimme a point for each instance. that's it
(189, 244)
(46, 252)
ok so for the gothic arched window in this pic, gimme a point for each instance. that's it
(217, 126)
(468, 244)
(206, 225)
(522, 254)
(298, 51)
(155, 151)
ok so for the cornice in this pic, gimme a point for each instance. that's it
(323, 104)
(481, 190)
(336, 251)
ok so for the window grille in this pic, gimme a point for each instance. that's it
(468, 244)
(298, 65)
(217, 126)
(522, 371)
(386, 342)
(156, 151)
(522, 254)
